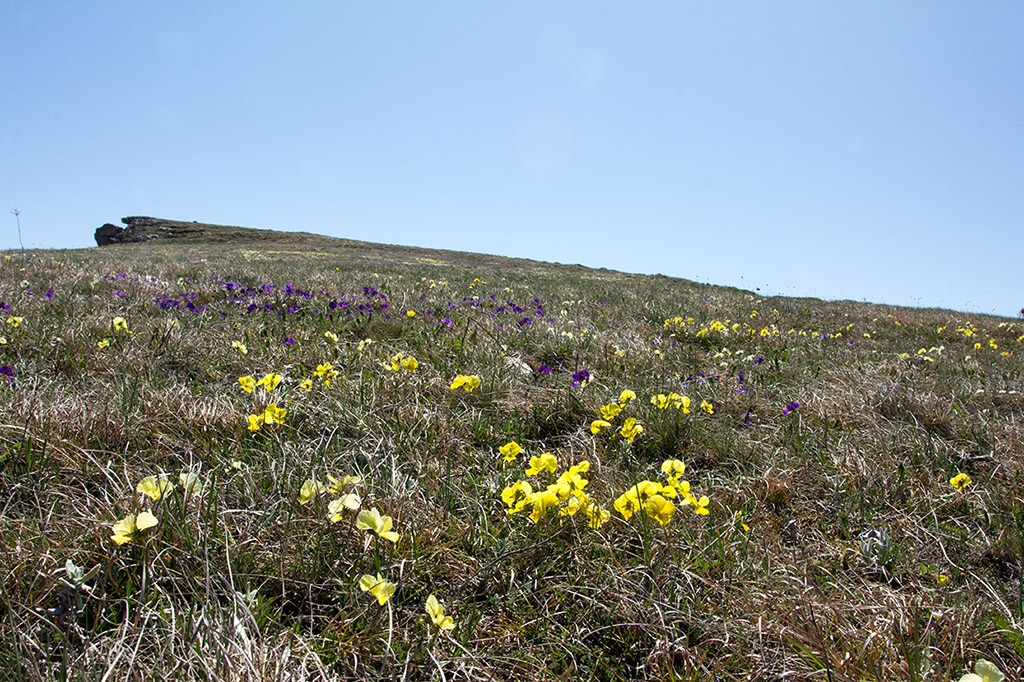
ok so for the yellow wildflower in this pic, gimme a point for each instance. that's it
(436, 613)
(309, 490)
(598, 425)
(631, 430)
(248, 383)
(372, 521)
(546, 462)
(960, 481)
(609, 411)
(468, 383)
(707, 407)
(270, 381)
(128, 528)
(510, 451)
(378, 587)
(240, 347)
(154, 487)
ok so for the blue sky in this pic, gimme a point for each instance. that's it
(843, 150)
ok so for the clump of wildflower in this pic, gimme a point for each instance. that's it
(129, 528)
(309, 490)
(154, 487)
(581, 378)
(468, 383)
(546, 462)
(272, 414)
(960, 481)
(436, 613)
(400, 361)
(371, 520)
(510, 450)
(325, 372)
(331, 336)
(378, 587)
(269, 381)
(248, 383)
(630, 430)
(516, 496)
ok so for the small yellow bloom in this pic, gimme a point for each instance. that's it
(608, 412)
(411, 313)
(516, 496)
(707, 407)
(542, 501)
(331, 336)
(363, 344)
(248, 383)
(154, 487)
(372, 521)
(306, 384)
(436, 613)
(351, 501)
(128, 528)
(660, 509)
(681, 402)
(238, 345)
(984, 671)
(274, 414)
(270, 381)
(100, 344)
(309, 490)
(190, 483)
(378, 587)
(546, 462)
(410, 363)
(599, 425)
(673, 468)
(255, 422)
(120, 325)
(960, 481)
(510, 451)
(626, 396)
(660, 401)
(631, 430)
(468, 383)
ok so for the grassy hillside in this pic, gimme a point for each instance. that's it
(279, 398)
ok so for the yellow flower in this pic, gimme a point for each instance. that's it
(609, 411)
(510, 451)
(626, 396)
(681, 402)
(707, 407)
(240, 346)
(598, 425)
(660, 401)
(378, 587)
(190, 482)
(466, 382)
(255, 421)
(546, 462)
(270, 381)
(700, 506)
(516, 496)
(984, 671)
(436, 613)
(541, 502)
(372, 521)
(363, 344)
(101, 344)
(596, 514)
(411, 313)
(660, 509)
(274, 414)
(628, 503)
(350, 501)
(331, 336)
(960, 481)
(128, 528)
(309, 490)
(248, 383)
(631, 430)
(154, 487)
(673, 468)
(410, 363)
(306, 384)
(120, 324)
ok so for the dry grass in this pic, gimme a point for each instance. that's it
(242, 582)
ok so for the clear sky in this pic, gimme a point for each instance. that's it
(844, 150)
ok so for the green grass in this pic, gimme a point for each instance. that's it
(241, 581)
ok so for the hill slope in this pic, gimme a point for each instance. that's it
(713, 485)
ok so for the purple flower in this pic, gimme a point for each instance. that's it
(8, 373)
(791, 407)
(49, 294)
(289, 342)
(758, 361)
(543, 370)
(747, 421)
(580, 377)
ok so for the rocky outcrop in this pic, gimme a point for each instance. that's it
(136, 231)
